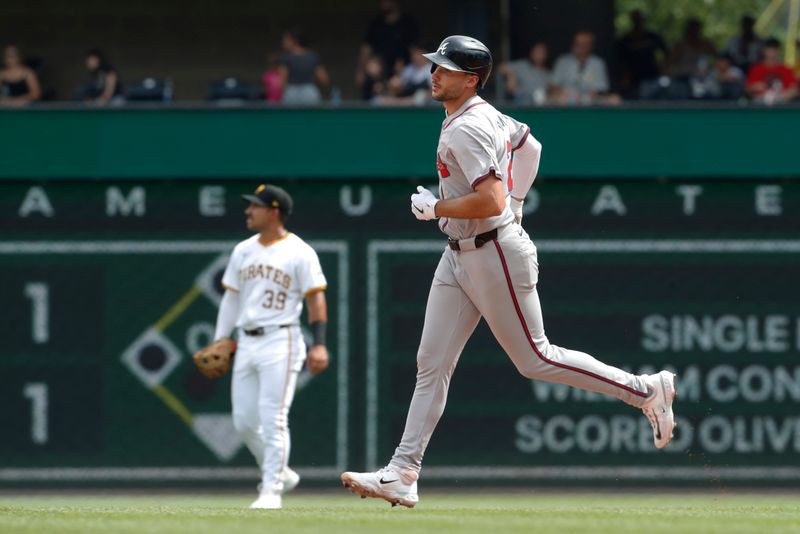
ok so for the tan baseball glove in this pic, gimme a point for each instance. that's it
(216, 359)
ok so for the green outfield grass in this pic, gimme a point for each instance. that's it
(491, 511)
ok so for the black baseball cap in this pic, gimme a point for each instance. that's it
(271, 196)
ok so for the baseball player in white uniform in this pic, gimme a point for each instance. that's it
(267, 278)
(489, 269)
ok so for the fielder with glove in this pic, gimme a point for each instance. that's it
(266, 281)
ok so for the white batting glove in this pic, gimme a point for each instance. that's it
(516, 209)
(423, 204)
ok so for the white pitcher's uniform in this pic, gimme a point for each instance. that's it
(272, 282)
(496, 281)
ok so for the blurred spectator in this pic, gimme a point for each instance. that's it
(771, 82)
(638, 52)
(581, 77)
(797, 60)
(693, 54)
(528, 79)
(690, 64)
(415, 78)
(104, 83)
(724, 82)
(18, 84)
(300, 71)
(745, 48)
(389, 36)
(375, 84)
(271, 79)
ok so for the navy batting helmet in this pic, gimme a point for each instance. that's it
(463, 54)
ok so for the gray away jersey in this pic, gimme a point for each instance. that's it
(476, 140)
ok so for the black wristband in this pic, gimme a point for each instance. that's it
(318, 329)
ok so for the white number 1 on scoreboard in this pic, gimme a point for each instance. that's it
(37, 393)
(39, 293)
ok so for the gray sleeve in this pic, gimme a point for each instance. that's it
(519, 131)
(559, 77)
(599, 75)
(514, 67)
(474, 150)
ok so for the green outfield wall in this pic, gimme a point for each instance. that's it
(110, 283)
(366, 142)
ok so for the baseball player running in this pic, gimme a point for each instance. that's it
(266, 280)
(489, 269)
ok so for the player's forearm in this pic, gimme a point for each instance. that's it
(317, 317)
(526, 167)
(227, 314)
(317, 307)
(486, 201)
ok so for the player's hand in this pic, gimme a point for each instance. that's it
(216, 359)
(423, 204)
(516, 209)
(317, 359)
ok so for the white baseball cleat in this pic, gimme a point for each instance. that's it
(267, 501)
(290, 480)
(390, 484)
(658, 408)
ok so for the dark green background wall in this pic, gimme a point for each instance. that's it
(667, 238)
(726, 142)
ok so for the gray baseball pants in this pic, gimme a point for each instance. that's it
(496, 282)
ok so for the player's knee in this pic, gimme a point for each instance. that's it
(543, 346)
(425, 359)
(530, 371)
(244, 424)
(274, 427)
(430, 363)
(535, 362)
(274, 421)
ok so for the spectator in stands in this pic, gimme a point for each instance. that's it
(581, 77)
(693, 55)
(415, 79)
(771, 82)
(724, 82)
(18, 84)
(389, 36)
(745, 48)
(301, 70)
(104, 83)
(375, 84)
(797, 60)
(528, 79)
(271, 79)
(690, 62)
(638, 53)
